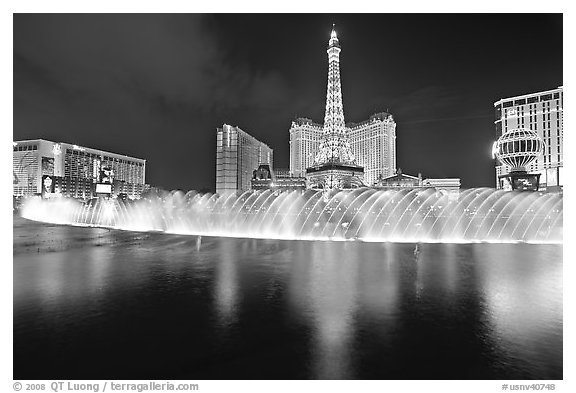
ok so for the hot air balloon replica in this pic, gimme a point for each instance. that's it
(517, 148)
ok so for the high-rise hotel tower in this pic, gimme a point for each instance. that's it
(370, 144)
(238, 155)
(541, 112)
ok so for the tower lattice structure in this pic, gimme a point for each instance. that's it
(334, 165)
(334, 147)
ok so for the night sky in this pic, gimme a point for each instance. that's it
(156, 86)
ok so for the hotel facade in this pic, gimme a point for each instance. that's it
(72, 169)
(372, 142)
(541, 112)
(238, 154)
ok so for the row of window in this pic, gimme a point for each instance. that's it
(558, 157)
(82, 154)
(363, 135)
(25, 159)
(25, 147)
(531, 100)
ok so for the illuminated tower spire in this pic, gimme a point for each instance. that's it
(334, 148)
(334, 165)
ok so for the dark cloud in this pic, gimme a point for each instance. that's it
(127, 58)
(111, 80)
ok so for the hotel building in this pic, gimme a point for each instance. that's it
(305, 137)
(238, 154)
(73, 169)
(372, 142)
(541, 112)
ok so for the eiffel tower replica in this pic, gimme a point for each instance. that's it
(334, 166)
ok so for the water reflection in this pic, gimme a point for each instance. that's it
(438, 271)
(226, 284)
(418, 282)
(379, 279)
(291, 309)
(522, 288)
(59, 278)
(333, 300)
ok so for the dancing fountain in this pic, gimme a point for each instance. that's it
(366, 214)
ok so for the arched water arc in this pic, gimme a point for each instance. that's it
(408, 215)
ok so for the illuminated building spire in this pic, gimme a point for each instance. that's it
(334, 166)
(334, 147)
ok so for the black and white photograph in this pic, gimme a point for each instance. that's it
(330, 195)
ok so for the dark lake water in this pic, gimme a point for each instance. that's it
(92, 303)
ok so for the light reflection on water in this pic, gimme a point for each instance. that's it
(226, 292)
(528, 328)
(332, 299)
(129, 305)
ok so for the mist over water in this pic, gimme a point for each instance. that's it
(376, 215)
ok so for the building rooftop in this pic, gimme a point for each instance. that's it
(501, 100)
(374, 117)
(241, 131)
(304, 120)
(380, 116)
(79, 148)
